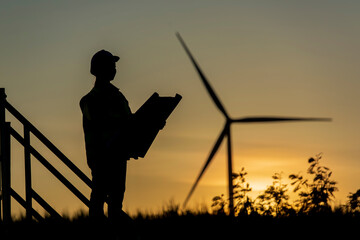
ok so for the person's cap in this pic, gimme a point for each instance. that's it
(102, 58)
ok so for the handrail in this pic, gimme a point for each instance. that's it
(53, 170)
(47, 143)
(45, 205)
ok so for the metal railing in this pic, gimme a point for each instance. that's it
(6, 132)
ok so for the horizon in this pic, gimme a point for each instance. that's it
(264, 58)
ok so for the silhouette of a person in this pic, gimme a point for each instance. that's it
(106, 115)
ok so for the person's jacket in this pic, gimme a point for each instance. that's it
(107, 124)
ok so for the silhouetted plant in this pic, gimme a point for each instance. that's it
(354, 202)
(243, 205)
(315, 195)
(219, 204)
(274, 201)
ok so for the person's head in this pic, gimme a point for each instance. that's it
(103, 65)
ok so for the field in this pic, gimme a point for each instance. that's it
(271, 215)
(191, 225)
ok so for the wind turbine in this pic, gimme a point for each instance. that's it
(226, 132)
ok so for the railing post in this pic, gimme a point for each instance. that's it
(2, 124)
(28, 187)
(2, 106)
(5, 206)
(5, 172)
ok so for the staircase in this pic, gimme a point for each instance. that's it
(6, 190)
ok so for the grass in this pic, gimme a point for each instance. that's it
(173, 224)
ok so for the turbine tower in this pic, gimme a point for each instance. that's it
(226, 132)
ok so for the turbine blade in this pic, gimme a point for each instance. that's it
(203, 78)
(279, 119)
(211, 155)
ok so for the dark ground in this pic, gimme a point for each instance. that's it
(190, 226)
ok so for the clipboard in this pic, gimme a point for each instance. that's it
(148, 121)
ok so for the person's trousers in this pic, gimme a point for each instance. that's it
(108, 183)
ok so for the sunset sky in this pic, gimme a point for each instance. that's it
(282, 58)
